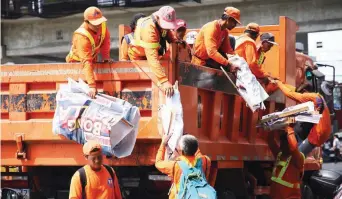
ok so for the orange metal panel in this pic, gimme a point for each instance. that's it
(215, 118)
(17, 99)
(234, 113)
(41, 130)
(69, 153)
(189, 100)
(226, 106)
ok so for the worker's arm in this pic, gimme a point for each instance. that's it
(208, 166)
(163, 165)
(75, 187)
(105, 48)
(171, 37)
(272, 143)
(252, 61)
(226, 46)
(117, 191)
(299, 97)
(212, 47)
(124, 50)
(297, 156)
(149, 35)
(84, 52)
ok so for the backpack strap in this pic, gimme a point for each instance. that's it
(83, 179)
(110, 171)
(184, 167)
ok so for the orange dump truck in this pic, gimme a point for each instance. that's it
(40, 164)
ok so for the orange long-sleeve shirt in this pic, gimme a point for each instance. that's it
(173, 170)
(150, 34)
(81, 47)
(320, 132)
(99, 185)
(246, 48)
(209, 41)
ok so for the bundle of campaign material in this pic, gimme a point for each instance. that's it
(248, 86)
(171, 114)
(304, 112)
(111, 121)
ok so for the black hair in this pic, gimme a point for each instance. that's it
(95, 150)
(225, 17)
(184, 29)
(135, 19)
(252, 33)
(189, 145)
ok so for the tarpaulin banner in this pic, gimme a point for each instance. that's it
(111, 121)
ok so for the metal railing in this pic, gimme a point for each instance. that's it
(14, 9)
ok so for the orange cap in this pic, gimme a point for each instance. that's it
(253, 27)
(94, 16)
(90, 146)
(233, 12)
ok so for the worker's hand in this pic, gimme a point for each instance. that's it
(165, 139)
(92, 92)
(168, 89)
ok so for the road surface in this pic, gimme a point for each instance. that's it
(333, 166)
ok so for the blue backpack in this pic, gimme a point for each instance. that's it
(193, 184)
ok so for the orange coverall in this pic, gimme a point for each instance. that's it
(293, 173)
(210, 41)
(97, 185)
(82, 49)
(150, 34)
(173, 170)
(245, 47)
(320, 132)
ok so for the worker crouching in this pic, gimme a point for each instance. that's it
(213, 43)
(254, 53)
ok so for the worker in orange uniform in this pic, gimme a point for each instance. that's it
(314, 135)
(90, 39)
(128, 38)
(94, 180)
(289, 166)
(212, 42)
(190, 153)
(184, 50)
(150, 38)
(254, 54)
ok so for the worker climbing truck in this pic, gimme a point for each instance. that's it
(38, 164)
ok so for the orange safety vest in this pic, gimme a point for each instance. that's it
(137, 35)
(86, 33)
(279, 179)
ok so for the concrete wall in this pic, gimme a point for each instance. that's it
(35, 36)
